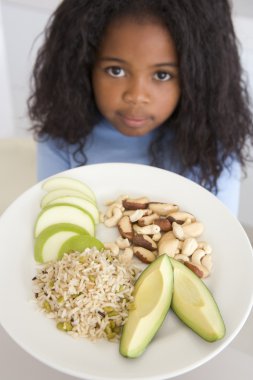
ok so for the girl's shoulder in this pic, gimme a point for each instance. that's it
(52, 157)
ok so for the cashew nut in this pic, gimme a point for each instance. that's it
(110, 210)
(174, 231)
(205, 246)
(187, 221)
(207, 262)
(168, 245)
(122, 243)
(181, 257)
(112, 247)
(178, 231)
(194, 229)
(189, 246)
(146, 220)
(116, 216)
(197, 256)
(197, 260)
(126, 256)
(157, 237)
(136, 215)
(146, 230)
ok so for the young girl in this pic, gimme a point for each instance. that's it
(154, 82)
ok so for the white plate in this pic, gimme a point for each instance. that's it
(175, 349)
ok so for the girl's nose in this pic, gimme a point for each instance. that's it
(136, 92)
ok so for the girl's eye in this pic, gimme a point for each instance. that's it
(115, 71)
(162, 76)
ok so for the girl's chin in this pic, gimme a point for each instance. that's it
(132, 132)
(134, 128)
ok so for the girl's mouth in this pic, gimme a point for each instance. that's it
(134, 121)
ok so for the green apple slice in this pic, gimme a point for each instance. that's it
(50, 240)
(63, 213)
(194, 304)
(79, 243)
(153, 294)
(58, 182)
(80, 202)
(54, 194)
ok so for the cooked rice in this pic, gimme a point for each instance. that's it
(88, 294)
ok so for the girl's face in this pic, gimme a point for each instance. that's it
(136, 76)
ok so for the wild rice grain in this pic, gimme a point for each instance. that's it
(80, 287)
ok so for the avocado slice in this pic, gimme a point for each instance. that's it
(194, 304)
(152, 299)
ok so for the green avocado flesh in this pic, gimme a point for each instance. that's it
(152, 299)
(194, 304)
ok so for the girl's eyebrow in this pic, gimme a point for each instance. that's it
(119, 60)
(174, 64)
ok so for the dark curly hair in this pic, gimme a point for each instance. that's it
(213, 120)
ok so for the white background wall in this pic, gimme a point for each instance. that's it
(23, 21)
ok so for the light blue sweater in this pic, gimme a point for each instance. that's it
(106, 144)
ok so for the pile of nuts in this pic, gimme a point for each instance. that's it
(149, 229)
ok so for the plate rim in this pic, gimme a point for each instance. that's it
(175, 373)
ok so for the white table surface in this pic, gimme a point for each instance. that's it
(233, 363)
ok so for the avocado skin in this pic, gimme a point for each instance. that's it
(137, 320)
(204, 318)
